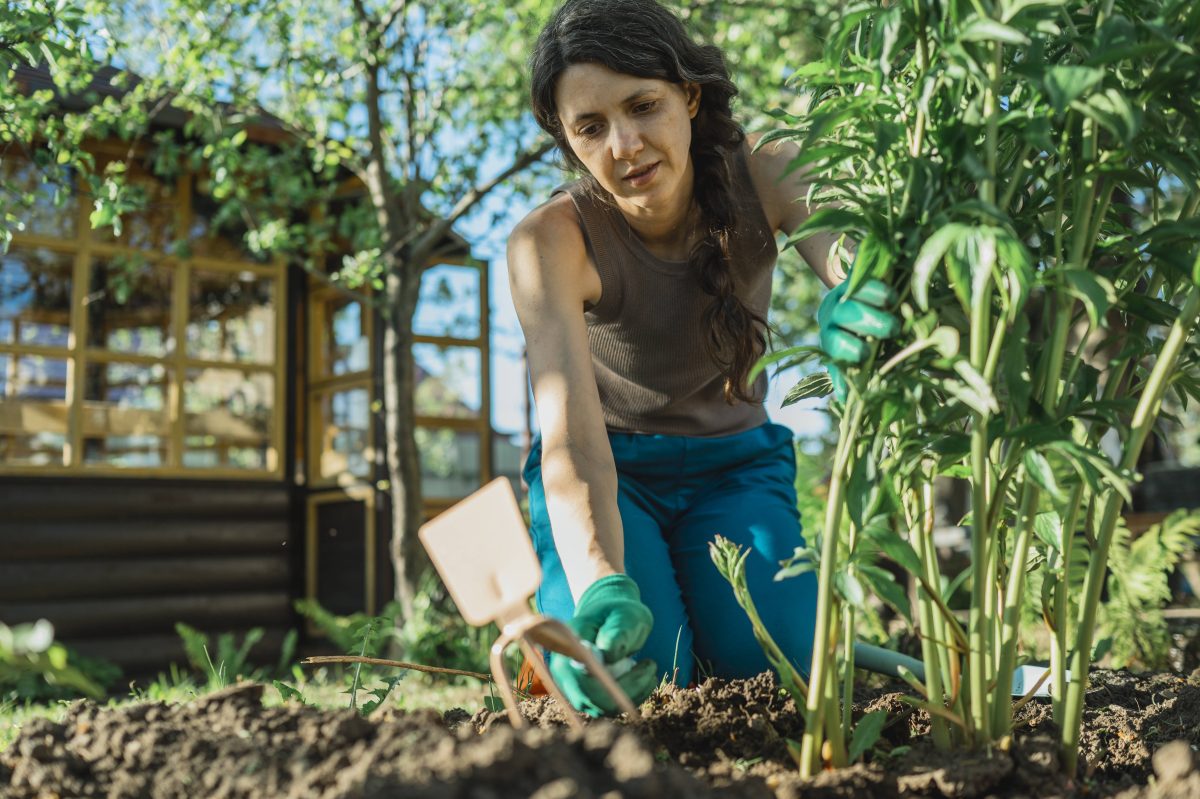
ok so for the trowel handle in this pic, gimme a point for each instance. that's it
(558, 637)
(885, 661)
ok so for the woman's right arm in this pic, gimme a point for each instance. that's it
(547, 273)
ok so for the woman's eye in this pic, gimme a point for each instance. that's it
(590, 131)
(641, 108)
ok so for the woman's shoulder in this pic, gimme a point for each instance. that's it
(549, 241)
(554, 221)
(775, 183)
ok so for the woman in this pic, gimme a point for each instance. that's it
(642, 289)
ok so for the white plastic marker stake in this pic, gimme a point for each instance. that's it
(885, 661)
(482, 551)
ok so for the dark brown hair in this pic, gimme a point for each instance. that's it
(644, 39)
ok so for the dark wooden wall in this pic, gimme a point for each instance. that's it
(114, 564)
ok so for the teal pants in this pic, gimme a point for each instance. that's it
(675, 494)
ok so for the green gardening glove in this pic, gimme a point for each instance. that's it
(609, 616)
(847, 321)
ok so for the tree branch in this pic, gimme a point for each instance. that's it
(398, 664)
(442, 227)
(397, 10)
(366, 20)
(411, 169)
(386, 213)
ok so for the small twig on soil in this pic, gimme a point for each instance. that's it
(395, 664)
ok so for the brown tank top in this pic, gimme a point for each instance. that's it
(647, 330)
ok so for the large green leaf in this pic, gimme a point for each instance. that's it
(866, 733)
(790, 356)
(872, 261)
(889, 542)
(1018, 374)
(849, 588)
(981, 29)
(1112, 110)
(1048, 527)
(1009, 9)
(1065, 84)
(883, 583)
(1040, 471)
(930, 255)
(837, 220)
(811, 387)
(1096, 293)
(862, 490)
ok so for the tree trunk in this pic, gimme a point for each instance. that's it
(403, 462)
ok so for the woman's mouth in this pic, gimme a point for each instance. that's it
(643, 176)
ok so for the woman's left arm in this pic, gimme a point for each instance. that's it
(783, 194)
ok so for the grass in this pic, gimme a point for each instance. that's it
(323, 688)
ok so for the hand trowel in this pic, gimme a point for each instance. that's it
(482, 551)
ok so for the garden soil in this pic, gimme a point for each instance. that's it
(726, 739)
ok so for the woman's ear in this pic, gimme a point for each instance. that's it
(691, 92)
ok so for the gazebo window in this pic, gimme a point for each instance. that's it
(154, 225)
(33, 401)
(451, 462)
(231, 317)
(125, 421)
(120, 356)
(35, 297)
(448, 381)
(344, 340)
(345, 427)
(54, 212)
(449, 303)
(341, 432)
(128, 308)
(450, 356)
(227, 419)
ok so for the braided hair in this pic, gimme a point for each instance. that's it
(644, 39)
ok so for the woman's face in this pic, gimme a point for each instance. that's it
(633, 134)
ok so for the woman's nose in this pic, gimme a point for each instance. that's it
(625, 141)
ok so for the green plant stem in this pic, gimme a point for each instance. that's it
(734, 571)
(1061, 637)
(1062, 592)
(923, 70)
(1143, 420)
(824, 650)
(983, 550)
(1018, 180)
(848, 661)
(1002, 701)
(981, 543)
(834, 731)
(933, 652)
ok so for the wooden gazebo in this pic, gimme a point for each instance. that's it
(198, 438)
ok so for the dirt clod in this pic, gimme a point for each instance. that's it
(1175, 761)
